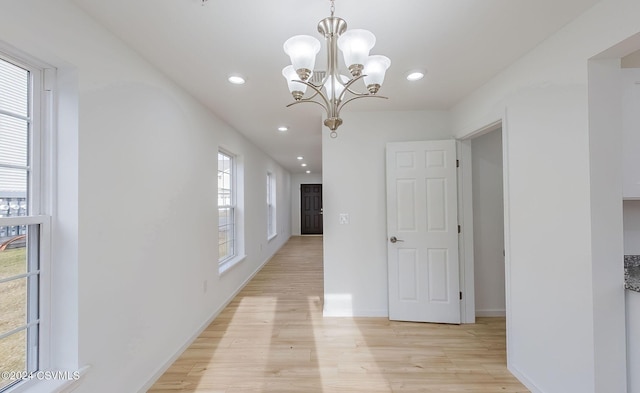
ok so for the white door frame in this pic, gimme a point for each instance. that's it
(465, 207)
(465, 243)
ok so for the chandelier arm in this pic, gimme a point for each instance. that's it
(308, 100)
(355, 93)
(359, 96)
(354, 80)
(347, 88)
(314, 87)
(326, 105)
(315, 93)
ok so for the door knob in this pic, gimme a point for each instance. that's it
(394, 239)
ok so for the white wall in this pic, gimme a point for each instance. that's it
(145, 213)
(630, 90)
(565, 304)
(633, 344)
(296, 181)
(488, 224)
(631, 213)
(355, 254)
(605, 144)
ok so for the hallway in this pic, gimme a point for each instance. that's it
(272, 338)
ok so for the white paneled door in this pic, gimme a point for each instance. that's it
(422, 231)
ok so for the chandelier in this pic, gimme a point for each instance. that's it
(332, 90)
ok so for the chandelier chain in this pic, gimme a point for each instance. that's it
(333, 7)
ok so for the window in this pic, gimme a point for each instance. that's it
(22, 229)
(226, 208)
(271, 206)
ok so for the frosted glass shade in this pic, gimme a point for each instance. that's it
(291, 75)
(374, 69)
(339, 86)
(355, 46)
(302, 49)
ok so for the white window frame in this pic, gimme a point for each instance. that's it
(55, 93)
(38, 273)
(224, 260)
(271, 206)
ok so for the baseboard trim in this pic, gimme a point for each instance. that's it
(523, 379)
(165, 366)
(491, 313)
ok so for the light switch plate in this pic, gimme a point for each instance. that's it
(344, 218)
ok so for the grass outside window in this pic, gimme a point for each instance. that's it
(13, 311)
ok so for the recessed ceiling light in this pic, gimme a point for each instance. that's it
(236, 79)
(308, 171)
(282, 128)
(300, 158)
(303, 165)
(415, 75)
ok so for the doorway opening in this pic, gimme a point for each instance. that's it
(488, 224)
(311, 209)
(484, 241)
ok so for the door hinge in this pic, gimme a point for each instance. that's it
(460, 295)
(459, 229)
(457, 163)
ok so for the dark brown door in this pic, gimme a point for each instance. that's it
(311, 209)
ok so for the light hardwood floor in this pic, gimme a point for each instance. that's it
(272, 338)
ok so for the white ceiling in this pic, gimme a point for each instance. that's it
(461, 44)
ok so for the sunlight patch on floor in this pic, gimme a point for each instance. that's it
(244, 337)
(344, 359)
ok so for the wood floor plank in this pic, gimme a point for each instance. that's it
(272, 338)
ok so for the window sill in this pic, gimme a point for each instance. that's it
(272, 237)
(227, 265)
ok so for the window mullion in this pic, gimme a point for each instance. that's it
(15, 115)
(19, 276)
(19, 167)
(19, 329)
(226, 208)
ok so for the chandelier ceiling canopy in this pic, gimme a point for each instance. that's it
(331, 89)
